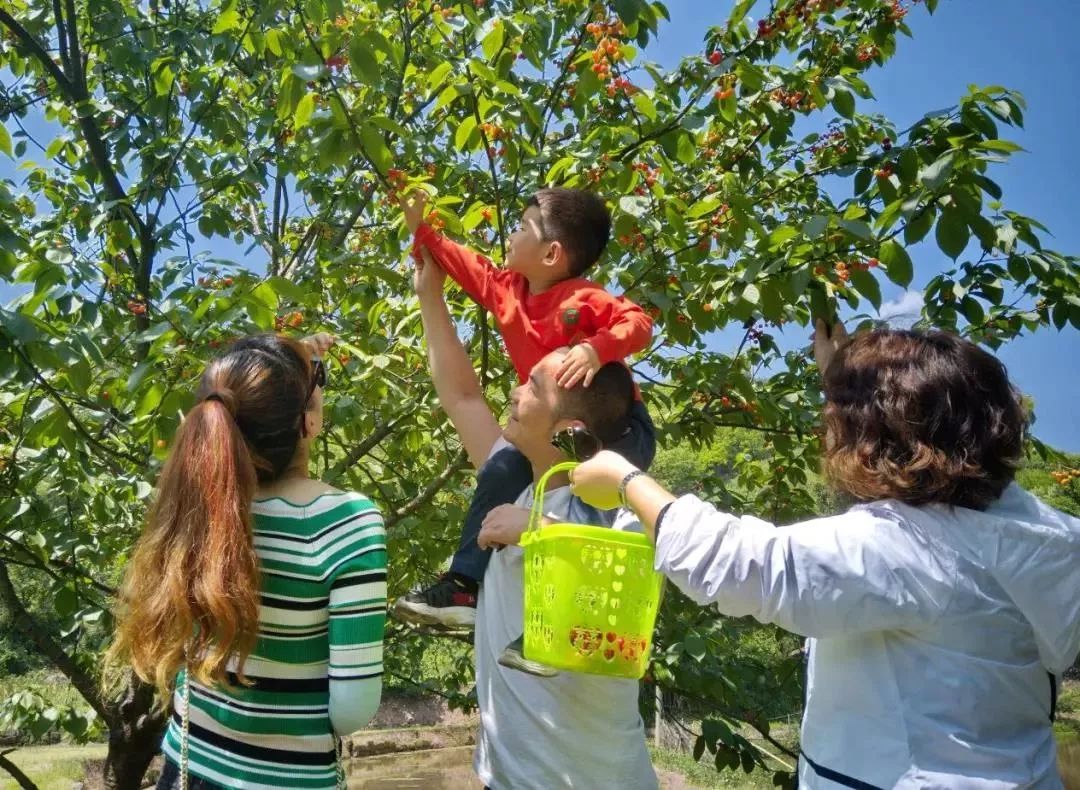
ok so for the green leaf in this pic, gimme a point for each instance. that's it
(163, 77)
(150, 400)
(699, 748)
(492, 34)
(375, 147)
(857, 228)
(227, 20)
(686, 152)
(933, 176)
(362, 61)
(707, 205)
(738, 13)
(815, 226)
(464, 130)
(645, 105)
(695, 647)
(5, 141)
(273, 42)
(973, 311)
(289, 95)
(844, 103)
(919, 225)
(287, 288)
(304, 110)
(862, 180)
(728, 107)
(952, 233)
(897, 263)
(138, 374)
(55, 147)
(867, 285)
(439, 74)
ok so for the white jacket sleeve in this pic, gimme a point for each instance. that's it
(831, 576)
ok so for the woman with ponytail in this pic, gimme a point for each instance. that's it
(256, 596)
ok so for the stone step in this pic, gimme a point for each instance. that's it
(369, 743)
(429, 769)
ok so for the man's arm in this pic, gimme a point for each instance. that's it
(456, 383)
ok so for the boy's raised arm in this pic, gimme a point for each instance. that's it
(476, 275)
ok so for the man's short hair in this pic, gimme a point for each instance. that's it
(578, 220)
(604, 406)
(923, 417)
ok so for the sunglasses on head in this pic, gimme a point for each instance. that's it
(577, 443)
(318, 376)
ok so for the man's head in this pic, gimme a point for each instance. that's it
(540, 407)
(561, 234)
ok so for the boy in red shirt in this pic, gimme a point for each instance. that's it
(540, 303)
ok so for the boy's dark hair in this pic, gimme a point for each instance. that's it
(578, 220)
(922, 418)
(604, 406)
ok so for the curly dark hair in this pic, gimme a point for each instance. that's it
(922, 417)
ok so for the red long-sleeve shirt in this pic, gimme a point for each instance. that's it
(533, 325)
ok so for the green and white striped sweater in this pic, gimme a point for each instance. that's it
(321, 618)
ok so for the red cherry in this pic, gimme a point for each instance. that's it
(609, 654)
(715, 58)
(611, 636)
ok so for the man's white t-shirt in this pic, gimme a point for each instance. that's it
(573, 730)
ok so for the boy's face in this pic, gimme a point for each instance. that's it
(528, 253)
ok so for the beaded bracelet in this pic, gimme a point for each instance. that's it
(625, 482)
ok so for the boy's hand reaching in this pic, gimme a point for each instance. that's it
(413, 206)
(581, 364)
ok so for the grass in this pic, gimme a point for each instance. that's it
(704, 773)
(60, 765)
(52, 767)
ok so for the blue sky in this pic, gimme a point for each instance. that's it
(1028, 47)
(1024, 46)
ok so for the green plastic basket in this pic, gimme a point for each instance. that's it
(591, 595)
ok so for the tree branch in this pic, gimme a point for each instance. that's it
(23, 780)
(365, 447)
(25, 623)
(429, 491)
(59, 401)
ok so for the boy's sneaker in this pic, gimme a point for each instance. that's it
(513, 656)
(450, 603)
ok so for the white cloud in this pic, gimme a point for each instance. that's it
(904, 310)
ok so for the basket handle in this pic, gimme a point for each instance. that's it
(537, 511)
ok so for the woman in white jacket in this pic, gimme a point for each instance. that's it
(939, 610)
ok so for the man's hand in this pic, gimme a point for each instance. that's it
(319, 343)
(826, 340)
(581, 364)
(503, 526)
(428, 276)
(413, 206)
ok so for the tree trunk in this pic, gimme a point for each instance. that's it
(134, 739)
